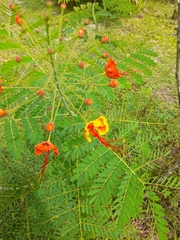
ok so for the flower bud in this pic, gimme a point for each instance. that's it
(63, 5)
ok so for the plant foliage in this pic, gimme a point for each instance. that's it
(90, 191)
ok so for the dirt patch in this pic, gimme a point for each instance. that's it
(166, 94)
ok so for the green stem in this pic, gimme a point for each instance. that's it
(55, 75)
(60, 20)
(59, 89)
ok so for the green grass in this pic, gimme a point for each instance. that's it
(153, 27)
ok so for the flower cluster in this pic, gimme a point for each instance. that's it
(96, 128)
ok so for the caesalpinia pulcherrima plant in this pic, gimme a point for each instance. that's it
(93, 185)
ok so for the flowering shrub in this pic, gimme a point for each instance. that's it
(93, 187)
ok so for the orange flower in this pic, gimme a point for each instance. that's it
(97, 128)
(45, 147)
(111, 69)
(2, 112)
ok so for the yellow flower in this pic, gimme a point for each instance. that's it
(97, 127)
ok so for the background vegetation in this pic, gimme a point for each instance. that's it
(90, 191)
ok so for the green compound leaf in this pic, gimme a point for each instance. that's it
(143, 59)
(158, 214)
(8, 45)
(103, 187)
(129, 201)
(6, 67)
(90, 166)
(13, 140)
(32, 130)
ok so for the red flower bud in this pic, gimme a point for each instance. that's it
(113, 83)
(17, 58)
(87, 21)
(81, 33)
(104, 39)
(63, 5)
(66, 19)
(49, 3)
(88, 101)
(50, 51)
(2, 112)
(50, 127)
(41, 93)
(105, 55)
(11, 6)
(81, 65)
(18, 20)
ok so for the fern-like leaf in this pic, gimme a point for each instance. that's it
(90, 166)
(158, 214)
(33, 132)
(102, 187)
(129, 201)
(13, 140)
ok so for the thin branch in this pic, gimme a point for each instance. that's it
(178, 55)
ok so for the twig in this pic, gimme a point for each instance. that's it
(178, 55)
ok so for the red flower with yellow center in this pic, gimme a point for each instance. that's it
(45, 147)
(111, 69)
(97, 128)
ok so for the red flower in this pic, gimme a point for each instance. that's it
(45, 147)
(97, 128)
(111, 69)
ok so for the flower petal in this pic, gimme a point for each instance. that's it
(111, 69)
(45, 147)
